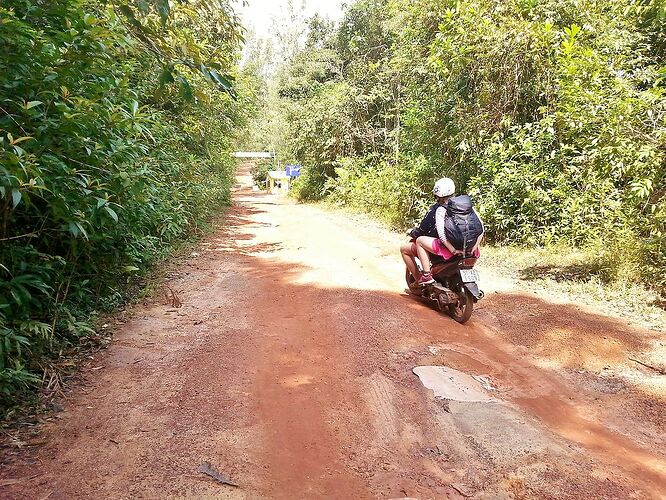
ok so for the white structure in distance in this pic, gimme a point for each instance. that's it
(253, 154)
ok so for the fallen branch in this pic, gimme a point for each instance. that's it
(660, 371)
(19, 237)
(172, 297)
(462, 489)
(208, 469)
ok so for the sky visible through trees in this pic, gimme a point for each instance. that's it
(260, 16)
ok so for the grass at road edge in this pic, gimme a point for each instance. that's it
(569, 274)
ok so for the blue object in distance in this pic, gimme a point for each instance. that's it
(293, 170)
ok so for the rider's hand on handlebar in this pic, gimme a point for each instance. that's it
(414, 233)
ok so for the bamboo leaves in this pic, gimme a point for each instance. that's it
(159, 25)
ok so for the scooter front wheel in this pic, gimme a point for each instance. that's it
(462, 310)
(411, 281)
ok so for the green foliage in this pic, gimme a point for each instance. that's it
(398, 194)
(101, 168)
(260, 171)
(196, 35)
(551, 114)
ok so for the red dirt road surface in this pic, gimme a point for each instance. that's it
(289, 369)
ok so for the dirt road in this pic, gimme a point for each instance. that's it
(289, 369)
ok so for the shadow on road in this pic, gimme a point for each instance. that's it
(299, 389)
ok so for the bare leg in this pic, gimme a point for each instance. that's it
(423, 246)
(408, 252)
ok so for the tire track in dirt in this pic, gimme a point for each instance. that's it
(380, 402)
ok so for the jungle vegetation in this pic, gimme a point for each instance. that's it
(116, 123)
(117, 118)
(551, 114)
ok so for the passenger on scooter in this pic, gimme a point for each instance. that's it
(444, 190)
(427, 227)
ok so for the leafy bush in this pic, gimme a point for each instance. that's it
(551, 114)
(101, 171)
(399, 193)
(260, 171)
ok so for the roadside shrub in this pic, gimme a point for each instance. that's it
(398, 193)
(101, 173)
(260, 171)
(551, 114)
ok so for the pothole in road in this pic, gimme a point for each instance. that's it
(447, 383)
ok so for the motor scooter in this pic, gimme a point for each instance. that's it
(455, 290)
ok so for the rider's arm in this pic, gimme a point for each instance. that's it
(478, 243)
(426, 225)
(422, 229)
(440, 217)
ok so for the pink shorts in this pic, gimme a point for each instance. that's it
(442, 251)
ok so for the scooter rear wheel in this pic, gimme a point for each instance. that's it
(462, 311)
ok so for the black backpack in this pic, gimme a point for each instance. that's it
(462, 225)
